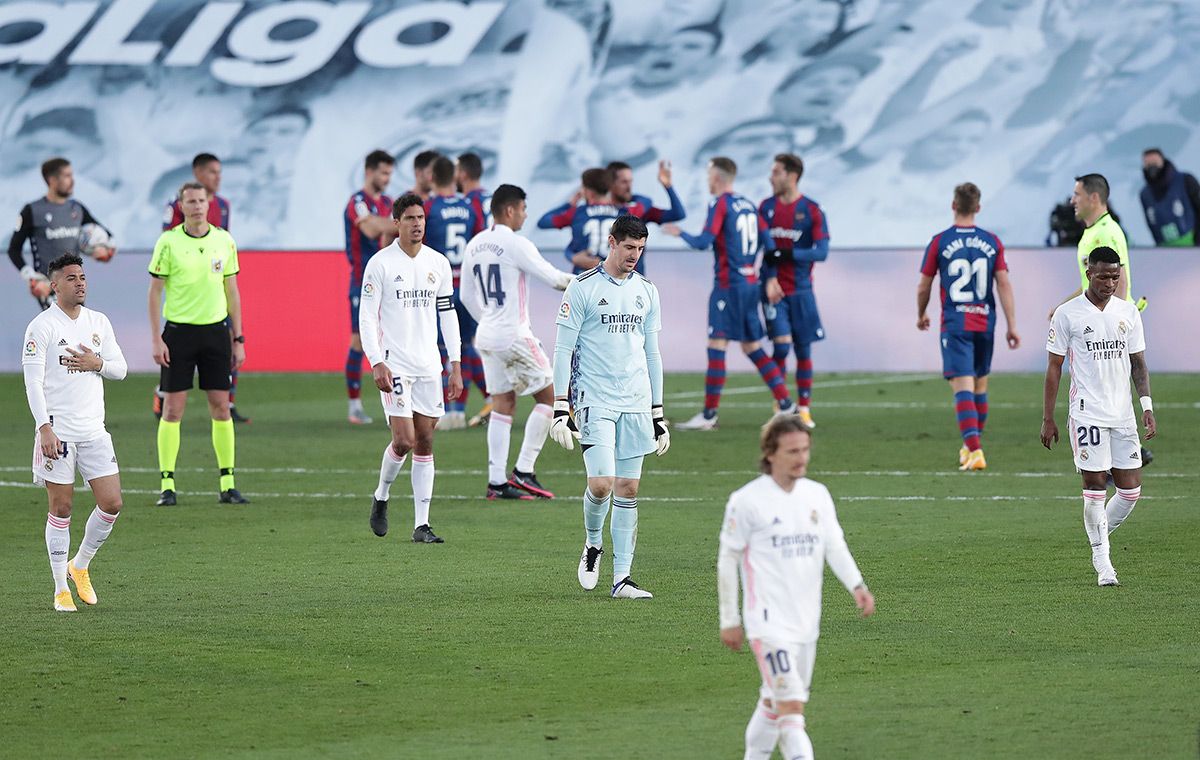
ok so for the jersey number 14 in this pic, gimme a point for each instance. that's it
(490, 286)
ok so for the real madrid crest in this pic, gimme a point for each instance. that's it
(1122, 328)
(96, 340)
(432, 278)
(639, 303)
(814, 516)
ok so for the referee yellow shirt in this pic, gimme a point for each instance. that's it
(195, 269)
(1105, 232)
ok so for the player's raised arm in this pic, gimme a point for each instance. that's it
(674, 214)
(528, 259)
(558, 217)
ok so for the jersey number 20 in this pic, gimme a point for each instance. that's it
(490, 286)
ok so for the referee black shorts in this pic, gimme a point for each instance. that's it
(197, 347)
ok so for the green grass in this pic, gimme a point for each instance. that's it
(285, 629)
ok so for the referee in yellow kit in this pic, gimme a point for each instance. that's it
(195, 264)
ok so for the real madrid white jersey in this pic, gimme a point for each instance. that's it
(493, 287)
(70, 400)
(784, 539)
(398, 313)
(1097, 343)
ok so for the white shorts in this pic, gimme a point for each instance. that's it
(1098, 449)
(422, 395)
(786, 669)
(93, 459)
(521, 368)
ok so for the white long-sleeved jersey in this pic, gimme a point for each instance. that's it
(781, 541)
(70, 400)
(494, 272)
(401, 301)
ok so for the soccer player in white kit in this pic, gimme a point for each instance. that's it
(407, 292)
(1104, 340)
(606, 355)
(781, 528)
(68, 350)
(494, 271)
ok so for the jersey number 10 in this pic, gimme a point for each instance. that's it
(490, 286)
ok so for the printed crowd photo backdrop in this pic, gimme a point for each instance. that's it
(890, 103)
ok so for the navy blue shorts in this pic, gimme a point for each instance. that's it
(733, 313)
(967, 354)
(355, 293)
(796, 316)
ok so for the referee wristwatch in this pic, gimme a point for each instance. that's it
(240, 339)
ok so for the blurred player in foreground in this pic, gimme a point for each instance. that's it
(968, 259)
(797, 225)
(68, 350)
(607, 355)
(1103, 336)
(495, 269)
(407, 293)
(55, 224)
(735, 233)
(781, 529)
(369, 227)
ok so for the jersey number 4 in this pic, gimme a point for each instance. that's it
(490, 286)
(964, 272)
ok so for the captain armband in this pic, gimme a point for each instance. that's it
(445, 303)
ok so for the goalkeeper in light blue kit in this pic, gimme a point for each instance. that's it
(607, 355)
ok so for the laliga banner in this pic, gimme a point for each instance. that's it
(889, 102)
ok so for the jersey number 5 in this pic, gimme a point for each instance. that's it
(490, 286)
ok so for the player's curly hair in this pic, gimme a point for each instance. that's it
(62, 262)
(406, 201)
(778, 426)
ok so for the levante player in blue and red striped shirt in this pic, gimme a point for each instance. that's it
(968, 260)
(797, 226)
(736, 234)
(369, 227)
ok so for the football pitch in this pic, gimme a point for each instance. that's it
(286, 629)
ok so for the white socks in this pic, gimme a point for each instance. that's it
(537, 427)
(1120, 505)
(793, 739)
(499, 431)
(422, 484)
(388, 472)
(762, 733)
(58, 544)
(1095, 522)
(99, 525)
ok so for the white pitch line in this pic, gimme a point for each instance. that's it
(820, 384)
(819, 405)
(681, 499)
(1151, 474)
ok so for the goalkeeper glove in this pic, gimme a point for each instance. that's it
(662, 436)
(562, 428)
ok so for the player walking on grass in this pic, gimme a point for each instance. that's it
(968, 259)
(797, 225)
(607, 354)
(736, 233)
(407, 292)
(195, 265)
(495, 268)
(68, 350)
(781, 529)
(1103, 337)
